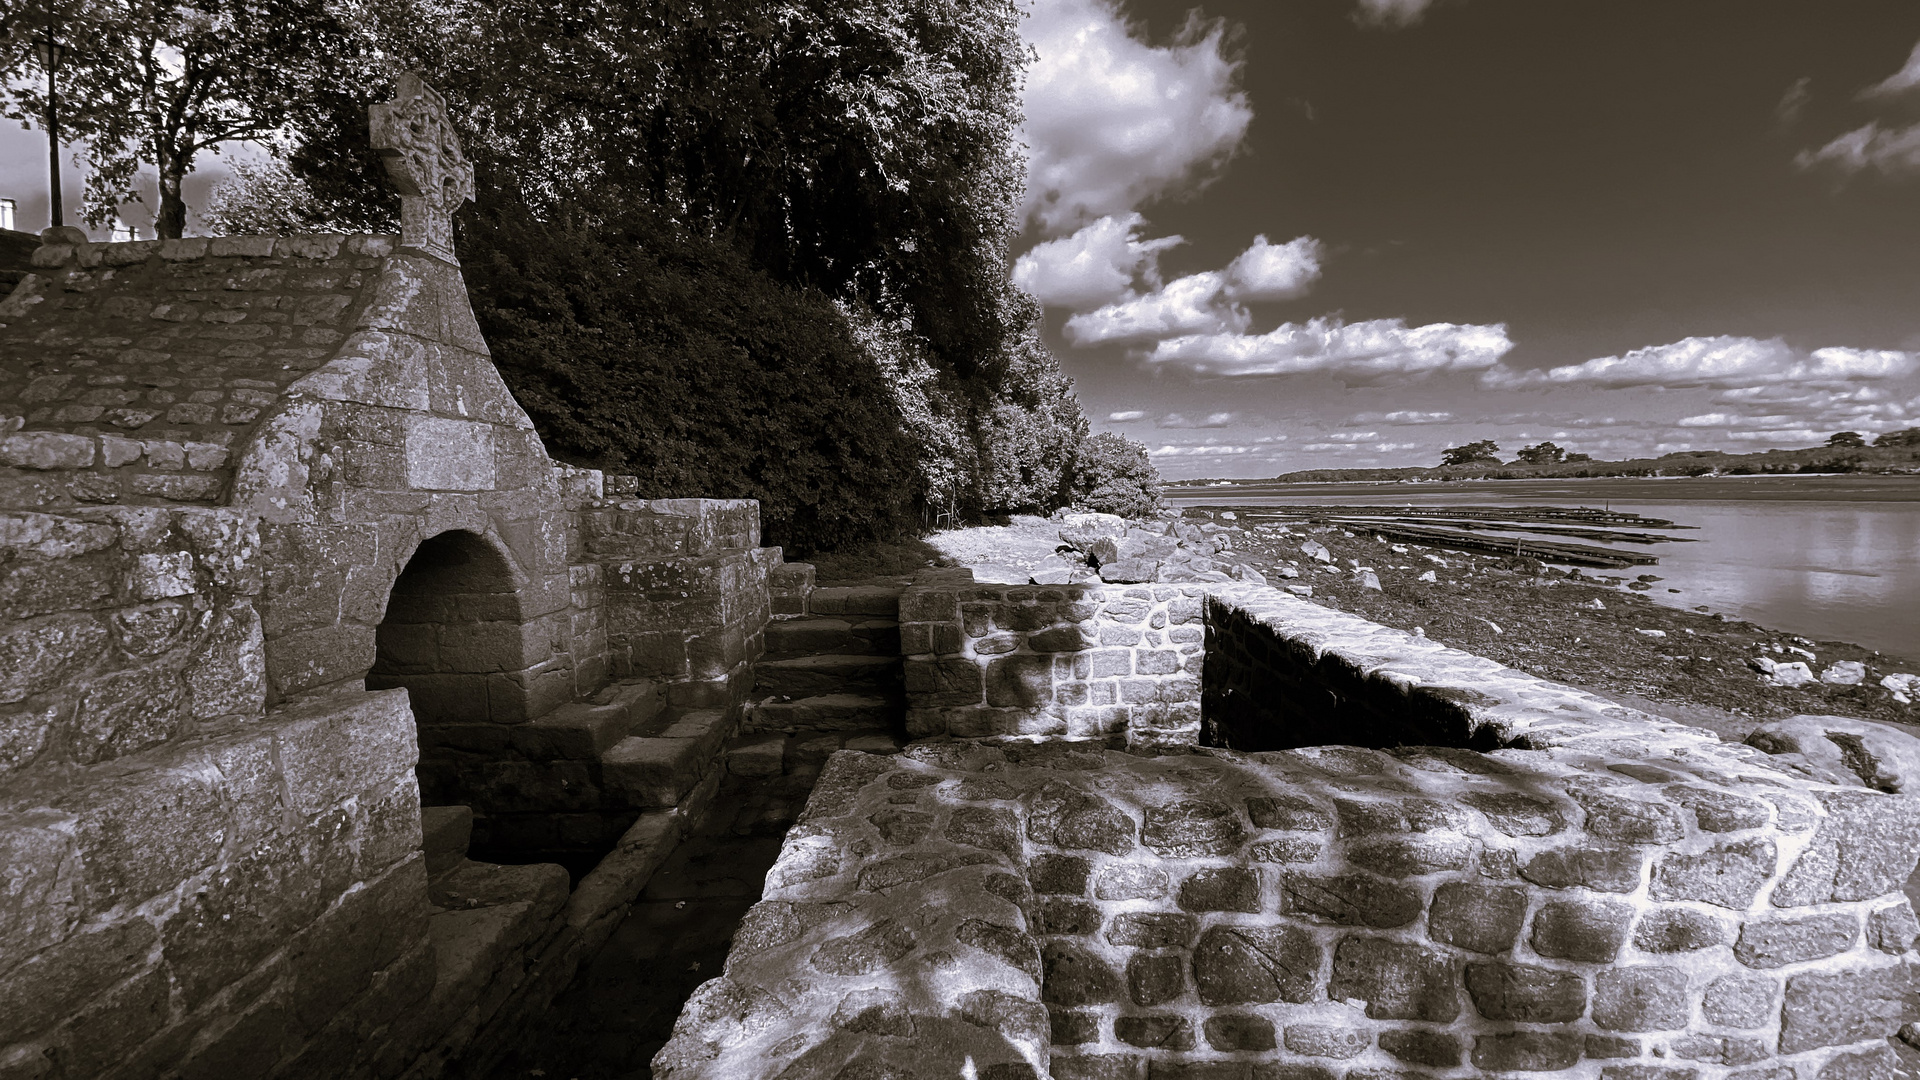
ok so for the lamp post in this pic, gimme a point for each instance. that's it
(49, 51)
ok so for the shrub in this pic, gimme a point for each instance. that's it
(1112, 474)
(639, 348)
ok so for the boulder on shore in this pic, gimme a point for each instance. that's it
(1842, 750)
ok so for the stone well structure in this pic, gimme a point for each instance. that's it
(280, 560)
(1496, 875)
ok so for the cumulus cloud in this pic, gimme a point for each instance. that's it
(1268, 271)
(1891, 151)
(1721, 363)
(1403, 417)
(1094, 266)
(1391, 13)
(1375, 351)
(1210, 302)
(1123, 417)
(1113, 122)
(1209, 450)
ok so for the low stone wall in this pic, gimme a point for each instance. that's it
(1605, 896)
(221, 904)
(1081, 661)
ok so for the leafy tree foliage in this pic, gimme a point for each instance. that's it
(1579, 457)
(1846, 438)
(1908, 437)
(1113, 475)
(158, 82)
(1544, 453)
(1469, 453)
(641, 349)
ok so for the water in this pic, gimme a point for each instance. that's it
(1829, 557)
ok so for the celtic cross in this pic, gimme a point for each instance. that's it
(424, 159)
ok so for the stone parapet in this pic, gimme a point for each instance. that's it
(1080, 661)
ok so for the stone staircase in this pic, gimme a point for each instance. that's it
(835, 664)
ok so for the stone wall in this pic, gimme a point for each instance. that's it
(1607, 895)
(211, 715)
(1080, 661)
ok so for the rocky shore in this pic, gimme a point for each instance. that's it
(1600, 632)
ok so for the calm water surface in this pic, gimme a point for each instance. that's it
(1834, 557)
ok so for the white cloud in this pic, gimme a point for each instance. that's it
(1217, 450)
(1392, 13)
(1390, 447)
(1721, 363)
(1404, 416)
(1378, 350)
(1906, 80)
(1113, 122)
(1124, 417)
(1353, 436)
(1891, 151)
(1205, 303)
(1211, 420)
(1094, 266)
(1274, 271)
(1188, 305)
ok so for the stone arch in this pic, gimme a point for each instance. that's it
(453, 635)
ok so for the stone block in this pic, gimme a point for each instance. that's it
(56, 982)
(1482, 918)
(1074, 975)
(949, 681)
(992, 828)
(1719, 1049)
(1191, 827)
(764, 757)
(1349, 899)
(1061, 815)
(1057, 915)
(1289, 812)
(1525, 993)
(1892, 929)
(334, 747)
(1640, 999)
(1739, 1001)
(1230, 888)
(1720, 811)
(1012, 947)
(1153, 979)
(1589, 930)
(1518, 815)
(1412, 856)
(1152, 930)
(1865, 847)
(1527, 1051)
(1605, 867)
(653, 772)
(1327, 1040)
(1130, 881)
(1240, 965)
(1422, 1047)
(1838, 1007)
(1729, 875)
(1772, 943)
(1072, 1027)
(1624, 819)
(1155, 1032)
(1059, 875)
(1678, 929)
(1098, 1067)
(1019, 681)
(1397, 980)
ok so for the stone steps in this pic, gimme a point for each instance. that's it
(829, 712)
(585, 730)
(807, 676)
(788, 639)
(659, 766)
(842, 600)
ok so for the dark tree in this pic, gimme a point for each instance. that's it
(1907, 437)
(1846, 438)
(1542, 454)
(1112, 474)
(1470, 453)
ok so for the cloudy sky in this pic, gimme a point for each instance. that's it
(1286, 234)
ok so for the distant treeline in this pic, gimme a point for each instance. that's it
(1821, 459)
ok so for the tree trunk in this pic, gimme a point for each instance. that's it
(171, 221)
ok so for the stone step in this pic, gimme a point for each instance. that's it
(584, 730)
(658, 769)
(820, 635)
(806, 676)
(829, 712)
(480, 884)
(446, 832)
(882, 600)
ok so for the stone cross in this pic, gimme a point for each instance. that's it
(424, 159)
